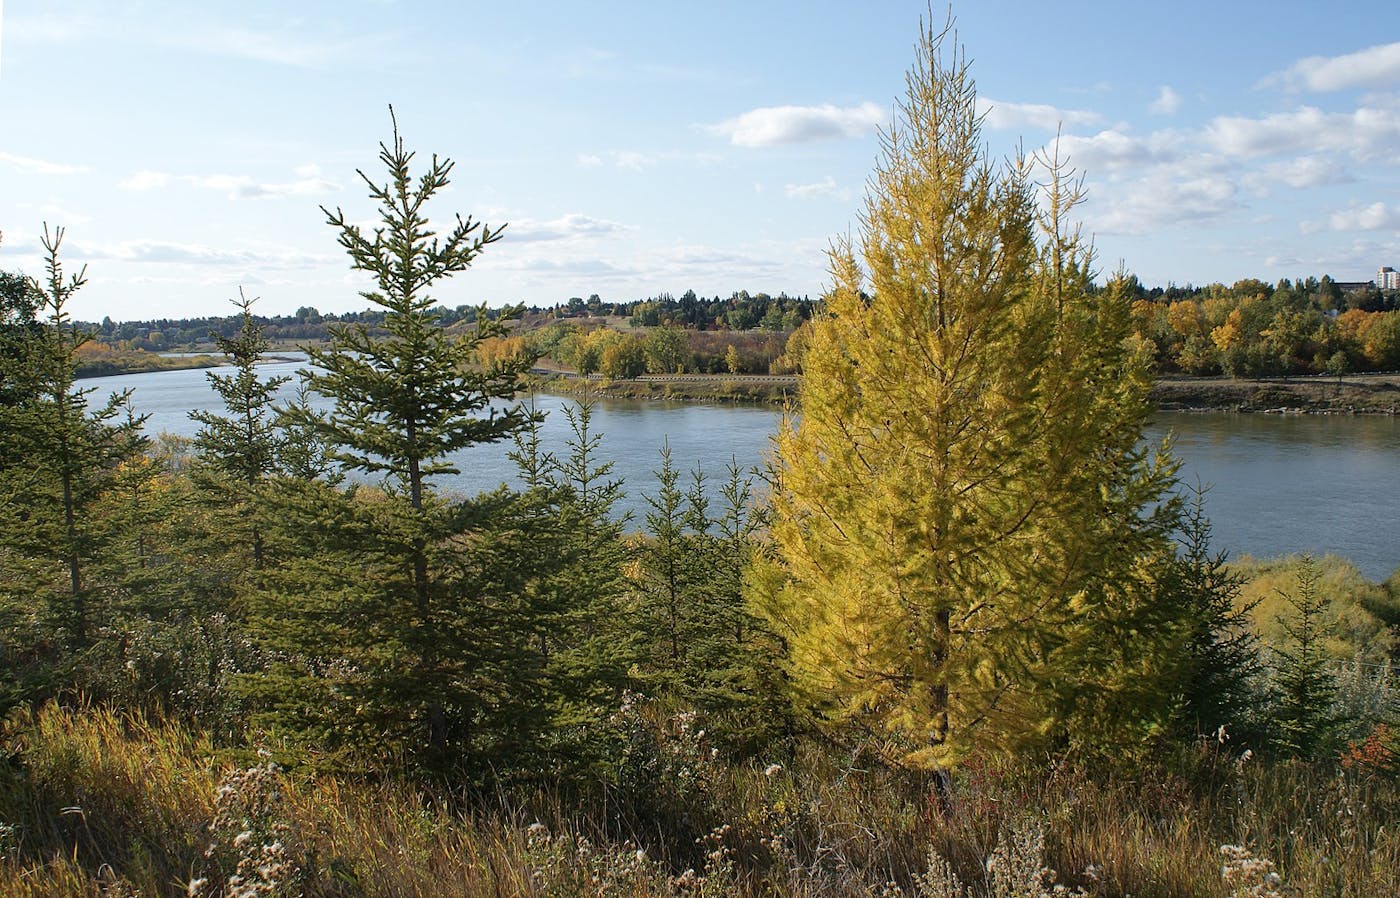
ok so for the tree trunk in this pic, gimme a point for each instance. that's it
(75, 575)
(938, 706)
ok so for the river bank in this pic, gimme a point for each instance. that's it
(1376, 394)
(138, 362)
(714, 388)
(1367, 394)
(110, 364)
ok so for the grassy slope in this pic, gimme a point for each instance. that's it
(94, 804)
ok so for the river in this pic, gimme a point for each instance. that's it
(1277, 483)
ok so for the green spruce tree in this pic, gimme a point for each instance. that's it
(732, 672)
(20, 333)
(76, 453)
(63, 461)
(1304, 683)
(1221, 655)
(667, 575)
(395, 630)
(239, 448)
(302, 453)
(705, 650)
(581, 631)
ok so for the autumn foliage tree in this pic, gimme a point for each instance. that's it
(965, 527)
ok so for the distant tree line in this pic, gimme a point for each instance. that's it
(167, 334)
(741, 311)
(1253, 329)
(1248, 329)
(664, 349)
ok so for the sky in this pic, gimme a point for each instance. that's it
(636, 148)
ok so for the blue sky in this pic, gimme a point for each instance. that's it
(636, 148)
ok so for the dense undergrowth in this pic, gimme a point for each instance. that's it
(97, 803)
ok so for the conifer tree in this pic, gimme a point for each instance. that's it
(578, 626)
(76, 453)
(1303, 678)
(731, 672)
(240, 450)
(20, 330)
(705, 649)
(667, 572)
(393, 609)
(1221, 661)
(62, 461)
(964, 527)
(301, 451)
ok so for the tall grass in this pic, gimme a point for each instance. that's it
(92, 799)
(97, 804)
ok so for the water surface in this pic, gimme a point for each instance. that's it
(1277, 483)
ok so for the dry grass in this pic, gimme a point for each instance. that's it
(96, 804)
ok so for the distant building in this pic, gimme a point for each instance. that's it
(1388, 278)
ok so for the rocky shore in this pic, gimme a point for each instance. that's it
(1369, 394)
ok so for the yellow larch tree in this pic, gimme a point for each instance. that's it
(965, 529)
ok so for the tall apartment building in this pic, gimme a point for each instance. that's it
(1388, 278)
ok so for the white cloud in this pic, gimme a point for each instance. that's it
(572, 269)
(192, 30)
(171, 253)
(1363, 134)
(60, 214)
(1376, 66)
(40, 166)
(308, 181)
(1306, 171)
(776, 125)
(589, 61)
(218, 277)
(824, 187)
(1359, 258)
(145, 180)
(225, 39)
(1113, 150)
(1164, 198)
(243, 187)
(1273, 134)
(1375, 217)
(630, 159)
(51, 28)
(638, 270)
(18, 242)
(1015, 116)
(691, 260)
(1167, 103)
(566, 227)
